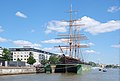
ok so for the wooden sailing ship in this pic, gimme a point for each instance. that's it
(72, 63)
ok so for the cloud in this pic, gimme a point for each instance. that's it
(56, 26)
(32, 31)
(87, 44)
(1, 30)
(90, 52)
(91, 44)
(20, 14)
(51, 49)
(55, 41)
(47, 49)
(95, 27)
(3, 39)
(90, 25)
(113, 9)
(25, 43)
(116, 46)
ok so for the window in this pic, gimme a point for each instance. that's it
(17, 49)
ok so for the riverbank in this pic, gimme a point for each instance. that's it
(16, 70)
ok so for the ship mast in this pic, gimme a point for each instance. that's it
(73, 37)
(71, 24)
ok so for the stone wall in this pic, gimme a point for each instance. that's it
(16, 70)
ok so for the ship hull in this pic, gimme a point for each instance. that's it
(68, 65)
(72, 68)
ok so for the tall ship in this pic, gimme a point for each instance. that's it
(71, 60)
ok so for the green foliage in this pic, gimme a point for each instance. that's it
(54, 59)
(112, 66)
(92, 64)
(6, 54)
(31, 60)
(44, 61)
(61, 59)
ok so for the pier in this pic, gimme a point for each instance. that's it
(16, 70)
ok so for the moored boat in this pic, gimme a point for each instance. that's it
(72, 63)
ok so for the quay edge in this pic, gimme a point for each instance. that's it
(16, 70)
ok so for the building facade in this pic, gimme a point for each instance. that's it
(2, 62)
(1, 51)
(24, 53)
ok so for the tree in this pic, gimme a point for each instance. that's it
(92, 64)
(53, 59)
(6, 54)
(44, 61)
(31, 60)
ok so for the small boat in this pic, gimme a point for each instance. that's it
(100, 69)
(104, 70)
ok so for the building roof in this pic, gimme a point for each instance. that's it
(31, 49)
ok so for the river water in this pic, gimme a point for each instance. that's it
(94, 75)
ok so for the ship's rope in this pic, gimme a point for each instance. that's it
(81, 55)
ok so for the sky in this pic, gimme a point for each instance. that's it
(37, 23)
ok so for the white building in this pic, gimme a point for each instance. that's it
(1, 51)
(24, 53)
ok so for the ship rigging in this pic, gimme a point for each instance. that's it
(73, 39)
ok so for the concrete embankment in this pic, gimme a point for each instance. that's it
(16, 70)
